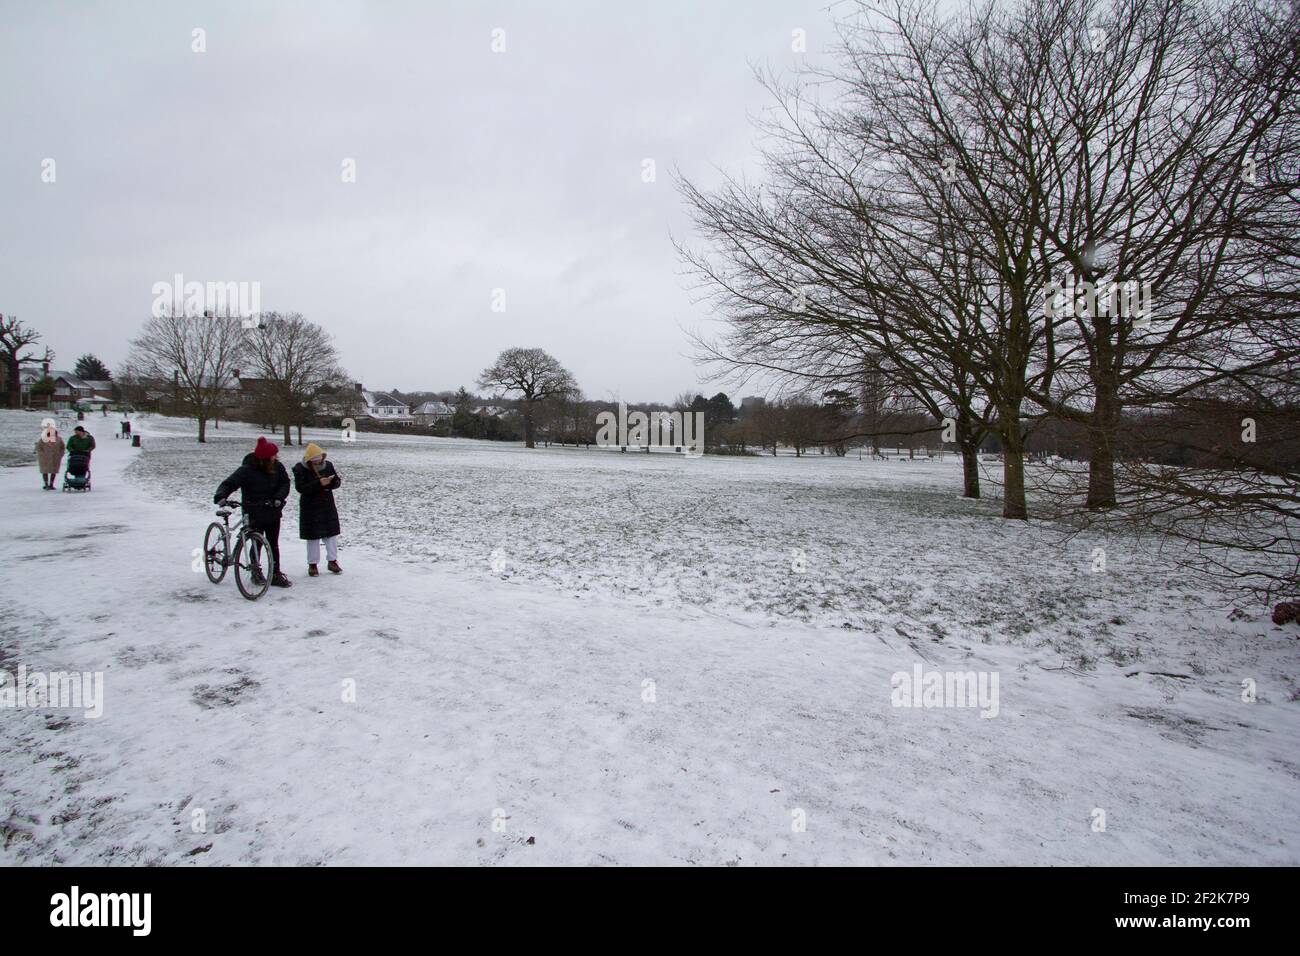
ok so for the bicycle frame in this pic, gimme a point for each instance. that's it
(245, 535)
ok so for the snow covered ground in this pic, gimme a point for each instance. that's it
(566, 656)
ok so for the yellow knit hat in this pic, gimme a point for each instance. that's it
(312, 451)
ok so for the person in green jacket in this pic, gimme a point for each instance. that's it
(81, 441)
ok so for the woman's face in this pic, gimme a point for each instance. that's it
(317, 460)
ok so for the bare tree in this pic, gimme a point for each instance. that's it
(14, 338)
(533, 376)
(768, 423)
(297, 362)
(867, 251)
(1165, 148)
(197, 355)
(804, 423)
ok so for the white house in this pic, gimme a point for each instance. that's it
(382, 407)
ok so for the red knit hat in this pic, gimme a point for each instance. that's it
(266, 449)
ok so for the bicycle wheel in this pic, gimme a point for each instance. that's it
(216, 551)
(253, 565)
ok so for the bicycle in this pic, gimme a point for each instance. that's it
(251, 558)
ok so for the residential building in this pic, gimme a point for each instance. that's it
(430, 413)
(71, 391)
(385, 409)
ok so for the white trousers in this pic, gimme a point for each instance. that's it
(331, 550)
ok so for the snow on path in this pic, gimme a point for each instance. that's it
(500, 698)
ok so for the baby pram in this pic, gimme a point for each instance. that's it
(77, 477)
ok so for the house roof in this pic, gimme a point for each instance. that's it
(382, 398)
(71, 380)
(435, 408)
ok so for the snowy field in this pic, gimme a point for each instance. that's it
(622, 659)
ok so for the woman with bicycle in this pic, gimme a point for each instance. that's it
(265, 486)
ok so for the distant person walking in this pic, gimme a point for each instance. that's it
(49, 456)
(318, 518)
(264, 484)
(81, 442)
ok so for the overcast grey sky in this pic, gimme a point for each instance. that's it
(475, 171)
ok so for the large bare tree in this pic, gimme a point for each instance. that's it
(14, 338)
(871, 246)
(533, 376)
(196, 355)
(1169, 165)
(296, 362)
(926, 191)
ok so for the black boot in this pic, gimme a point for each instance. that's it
(278, 580)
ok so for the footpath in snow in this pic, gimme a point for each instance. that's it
(501, 722)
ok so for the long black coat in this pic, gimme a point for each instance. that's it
(317, 516)
(261, 491)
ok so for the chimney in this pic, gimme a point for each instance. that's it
(359, 388)
(236, 371)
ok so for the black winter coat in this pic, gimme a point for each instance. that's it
(317, 516)
(263, 494)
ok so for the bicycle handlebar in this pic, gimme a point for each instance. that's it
(232, 503)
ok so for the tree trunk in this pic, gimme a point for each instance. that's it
(203, 428)
(529, 441)
(970, 470)
(299, 434)
(970, 459)
(1013, 463)
(1101, 438)
(14, 396)
(288, 438)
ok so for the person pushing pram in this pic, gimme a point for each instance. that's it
(79, 447)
